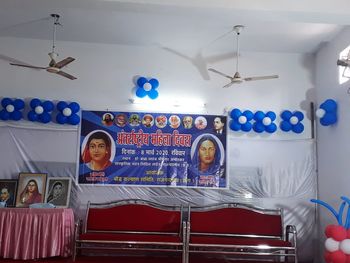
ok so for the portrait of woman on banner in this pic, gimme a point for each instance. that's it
(98, 150)
(207, 162)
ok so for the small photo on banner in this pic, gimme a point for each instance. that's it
(153, 149)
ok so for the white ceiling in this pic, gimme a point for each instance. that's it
(179, 25)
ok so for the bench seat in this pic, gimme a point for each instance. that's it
(213, 240)
(132, 225)
(150, 238)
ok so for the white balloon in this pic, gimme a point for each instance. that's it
(266, 121)
(242, 119)
(331, 245)
(39, 109)
(320, 113)
(67, 112)
(294, 120)
(147, 86)
(10, 108)
(345, 246)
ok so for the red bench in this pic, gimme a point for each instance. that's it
(132, 225)
(241, 231)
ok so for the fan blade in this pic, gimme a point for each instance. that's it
(64, 74)
(229, 85)
(261, 78)
(26, 66)
(220, 73)
(64, 62)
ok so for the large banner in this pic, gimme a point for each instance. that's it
(153, 149)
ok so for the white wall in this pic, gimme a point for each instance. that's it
(106, 74)
(333, 142)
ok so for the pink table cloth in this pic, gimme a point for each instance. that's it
(31, 233)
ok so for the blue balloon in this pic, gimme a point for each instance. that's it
(328, 119)
(235, 114)
(248, 114)
(286, 115)
(154, 83)
(141, 81)
(16, 115)
(4, 115)
(258, 127)
(246, 127)
(61, 119)
(329, 105)
(299, 115)
(45, 117)
(18, 104)
(235, 126)
(34, 103)
(153, 94)
(271, 115)
(61, 105)
(259, 115)
(48, 106)
(285, 126)
(32, 116)
(74, 119)
(74, 106)
(140, 92)
(298, 128)
(5, 102)
(271, 128)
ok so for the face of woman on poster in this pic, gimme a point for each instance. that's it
(206, 153)
(98, 150)
(32, 186)
(57, 190)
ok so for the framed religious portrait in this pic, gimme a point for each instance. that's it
(8, 190)
(58, 191)
(31, 189)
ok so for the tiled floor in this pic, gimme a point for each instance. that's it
(124, 259)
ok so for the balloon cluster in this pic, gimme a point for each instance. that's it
(292, 121)
(242, 121)
(40, 110)
(11, 109)
(68, 113)
(147, 87)
(337, 243)
(264, 122)
(327, 112)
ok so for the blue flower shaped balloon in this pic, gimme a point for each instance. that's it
(292, 121)
(11, 109)
(68, 113)
(147, 88)
(41, 110)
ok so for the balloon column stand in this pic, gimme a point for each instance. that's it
(337, 244)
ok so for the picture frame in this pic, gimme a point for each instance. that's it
(58, 191)
(8, 191)
(31, 189)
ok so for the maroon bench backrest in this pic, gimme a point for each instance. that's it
(234, 220)
(133, 217)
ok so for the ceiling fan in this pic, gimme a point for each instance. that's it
(53, 67)
(236, 79)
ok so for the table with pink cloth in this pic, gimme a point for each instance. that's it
(31, 233)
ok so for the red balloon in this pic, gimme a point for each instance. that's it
(339, 233)
(327, 256)
(348, 233)
(338, 257)
(328, 230)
